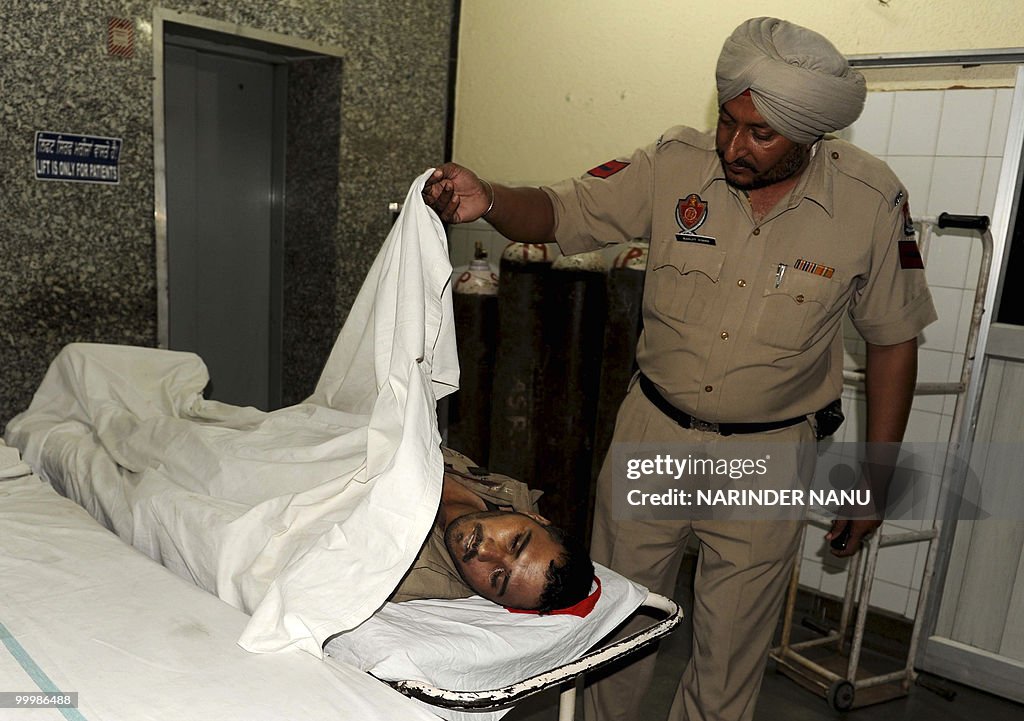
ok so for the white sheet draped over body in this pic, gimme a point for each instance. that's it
(306, 517)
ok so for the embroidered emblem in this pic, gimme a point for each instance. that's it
(691, 212)
(607, 170)
(815, 268)
(910, 256)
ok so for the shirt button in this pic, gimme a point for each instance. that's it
(741, 283)
(800, 298)
(757, 231)
(709, 388)
(835, 155)
(725, 335)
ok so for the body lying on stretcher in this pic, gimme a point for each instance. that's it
(215, 494)
(261, 506)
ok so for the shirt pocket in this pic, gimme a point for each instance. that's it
(685, 279)
(797, 313)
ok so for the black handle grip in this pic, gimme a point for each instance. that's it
(968, 222)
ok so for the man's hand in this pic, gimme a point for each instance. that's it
(456, 194)
(889, 385)
(846, 535)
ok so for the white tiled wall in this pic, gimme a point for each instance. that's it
(946, 146)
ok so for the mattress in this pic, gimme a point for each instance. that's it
(82, 612)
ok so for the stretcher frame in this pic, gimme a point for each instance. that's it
(564, 676)
(841, 689)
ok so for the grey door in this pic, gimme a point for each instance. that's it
(222, 256)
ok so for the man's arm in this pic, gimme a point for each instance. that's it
(458, 195)
(889, 385)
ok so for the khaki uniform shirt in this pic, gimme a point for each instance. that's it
(433, 574)
(742, 319)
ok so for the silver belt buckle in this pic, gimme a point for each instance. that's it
(703, 426)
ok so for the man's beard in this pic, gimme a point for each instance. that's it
(787, 166)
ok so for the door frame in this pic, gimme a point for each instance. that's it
(246, 41)
(937, 654)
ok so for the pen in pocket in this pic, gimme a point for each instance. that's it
(779, 272)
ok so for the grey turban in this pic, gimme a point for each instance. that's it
(800, 84)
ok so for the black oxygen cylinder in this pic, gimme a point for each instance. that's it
(523, 302)
(623, 323)
(575, 335)
(475, 307)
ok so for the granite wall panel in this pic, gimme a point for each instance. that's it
(78, 261)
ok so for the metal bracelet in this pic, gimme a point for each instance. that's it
(490, 193)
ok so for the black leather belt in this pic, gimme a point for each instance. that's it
(685, 420)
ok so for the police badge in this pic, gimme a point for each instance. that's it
(691, 212)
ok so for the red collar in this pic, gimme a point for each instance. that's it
(581, 609)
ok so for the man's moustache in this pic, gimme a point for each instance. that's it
(470, 554)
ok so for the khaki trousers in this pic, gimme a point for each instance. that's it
(742, 572)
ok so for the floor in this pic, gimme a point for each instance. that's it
(934, 699)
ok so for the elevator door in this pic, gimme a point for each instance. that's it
(223, 255)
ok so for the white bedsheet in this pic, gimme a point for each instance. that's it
(81, 611)
(306, 517)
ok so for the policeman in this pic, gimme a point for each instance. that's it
(762, 235)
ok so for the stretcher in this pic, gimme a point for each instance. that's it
(459, 659)
(469, 659)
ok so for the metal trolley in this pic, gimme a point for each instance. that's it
(835, 673)
(564, 676)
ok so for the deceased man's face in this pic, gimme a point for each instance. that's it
(503, 556)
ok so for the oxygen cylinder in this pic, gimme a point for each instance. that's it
(623, 323)
(518, 365)
(475, 306)
(575, 336)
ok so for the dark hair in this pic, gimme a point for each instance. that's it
(570, 580)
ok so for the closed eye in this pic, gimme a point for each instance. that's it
(520, 542)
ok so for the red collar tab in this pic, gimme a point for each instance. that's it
(606, 170)
(581, 609)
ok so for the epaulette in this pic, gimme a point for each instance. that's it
(865, 168)
(688, 136)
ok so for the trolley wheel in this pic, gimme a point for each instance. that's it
(840, 695)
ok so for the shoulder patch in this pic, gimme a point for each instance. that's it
(606, 170)
(910, 256)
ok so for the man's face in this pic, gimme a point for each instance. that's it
(503, 556)
(752, 154)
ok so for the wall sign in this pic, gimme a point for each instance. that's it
(77, 158)
(120, 37)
